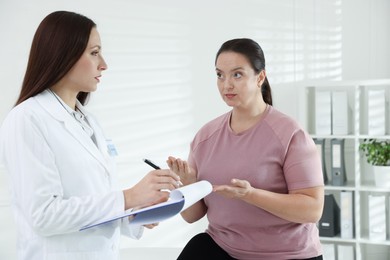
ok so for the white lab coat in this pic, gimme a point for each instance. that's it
(60, 181)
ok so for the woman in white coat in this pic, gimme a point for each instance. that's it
(62, 173)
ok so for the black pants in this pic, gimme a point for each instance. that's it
(202, 246)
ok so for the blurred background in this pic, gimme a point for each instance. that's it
(160, 86)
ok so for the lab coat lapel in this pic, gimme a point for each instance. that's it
(101, 141)
(53, 107)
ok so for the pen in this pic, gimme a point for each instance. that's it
(152, 164)
(156, 167)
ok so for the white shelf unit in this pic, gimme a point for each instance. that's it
(359, 173)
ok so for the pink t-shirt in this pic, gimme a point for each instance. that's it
(275, 155)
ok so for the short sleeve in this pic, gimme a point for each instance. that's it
(191, 159)
(302, 166)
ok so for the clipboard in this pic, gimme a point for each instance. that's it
(179, 200)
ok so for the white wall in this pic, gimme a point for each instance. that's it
(302, 40)
(366, 39)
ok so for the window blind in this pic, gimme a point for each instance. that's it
(144, 100)
(301, 41)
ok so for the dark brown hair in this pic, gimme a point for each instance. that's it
(253, 52)
(58, 43)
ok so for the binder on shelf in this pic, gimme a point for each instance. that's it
(340, 113)
(345, 252)
(323, 112)
(320, 144)
(329, 251)
(347, 220)
(388, 117)
(377, 217)
(329, 224)
(376, 112)
(339, 176)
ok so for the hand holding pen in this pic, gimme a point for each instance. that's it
(153, 188)
(156, 167)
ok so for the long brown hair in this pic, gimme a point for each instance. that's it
(255, 55)
(58, 43)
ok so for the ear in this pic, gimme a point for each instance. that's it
(261, 77)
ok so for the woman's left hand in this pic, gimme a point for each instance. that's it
(238, 189)
(150, 226)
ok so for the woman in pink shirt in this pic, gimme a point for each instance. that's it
(265, 170)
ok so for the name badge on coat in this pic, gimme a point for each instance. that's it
(111, 149)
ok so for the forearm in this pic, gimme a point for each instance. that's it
(195, 212)
(303, 206)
